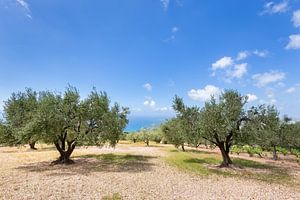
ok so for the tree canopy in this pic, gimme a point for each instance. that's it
(224, 122)
(65, 120)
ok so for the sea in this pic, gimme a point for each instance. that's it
(137, 123)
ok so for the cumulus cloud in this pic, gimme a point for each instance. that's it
(147, 86)
(294, 42)
(205, 93)
(175, 29)
(268, 77)
(222, 63)
(262, 53)
(291, 90)
(165, 4)
(252, 97)
(296, 18)
(162, 109)
(274, 8)
(242, 55)
(150, 103)
(239, 70)
(25, 6)
(245, 54)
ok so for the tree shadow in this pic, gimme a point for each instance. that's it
(90, 163)
(194, 151)
(243, 163)
(243, 168)
(201, 152)
(207, 160)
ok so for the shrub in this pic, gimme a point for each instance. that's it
(236, 149)
(295, 152)
(282, 151)
(253, 150)
(249, 150)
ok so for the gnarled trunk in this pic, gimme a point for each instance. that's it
(225, 149)
(65, 154)
(32, 145)
(275, 156)
(225, 155)
(182, 147)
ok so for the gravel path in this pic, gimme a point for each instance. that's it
(148, 178)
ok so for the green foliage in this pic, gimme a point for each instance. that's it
(123, 135)
(203, 163)
(19, 111)
(252, 150)
(145, 136)
(66, 119)
(115, 196)
(174, 133)
(134, 137)
(7, 137)
(296, 153)
(189, 118)
(237, 149)
(265, 126)
(283, 151)
(221, 119)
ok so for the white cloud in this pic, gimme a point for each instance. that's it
(294, 42)
(296, 18)
(273, 101)
(291, 90)
(273, 8)
(242, 55)
(205, 93)
(263, 53)
(165, 4)
(252, 97)
(271, 95)
(222, 63)
(175, 29)
(149, 103)
(148, 86)
(239, 70)
(25, 6)
(162, 109)
(268, 77)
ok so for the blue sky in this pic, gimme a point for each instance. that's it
(143, 52)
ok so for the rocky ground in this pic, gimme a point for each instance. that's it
(26, 174)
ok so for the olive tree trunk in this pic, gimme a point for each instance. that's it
(225, 155)
(65, 154)
(32, 145)
(275, 156)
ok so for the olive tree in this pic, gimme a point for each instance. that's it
(174, 133)
(19, 110)
(6, 135)
(190, 121)
(266, 128)
(221, 121)
(66, 121)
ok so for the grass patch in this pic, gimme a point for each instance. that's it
(194, 162)
(115, 196)
(251, 164)
(117, 158)
(206, 164)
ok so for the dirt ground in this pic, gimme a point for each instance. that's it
(26, 174)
